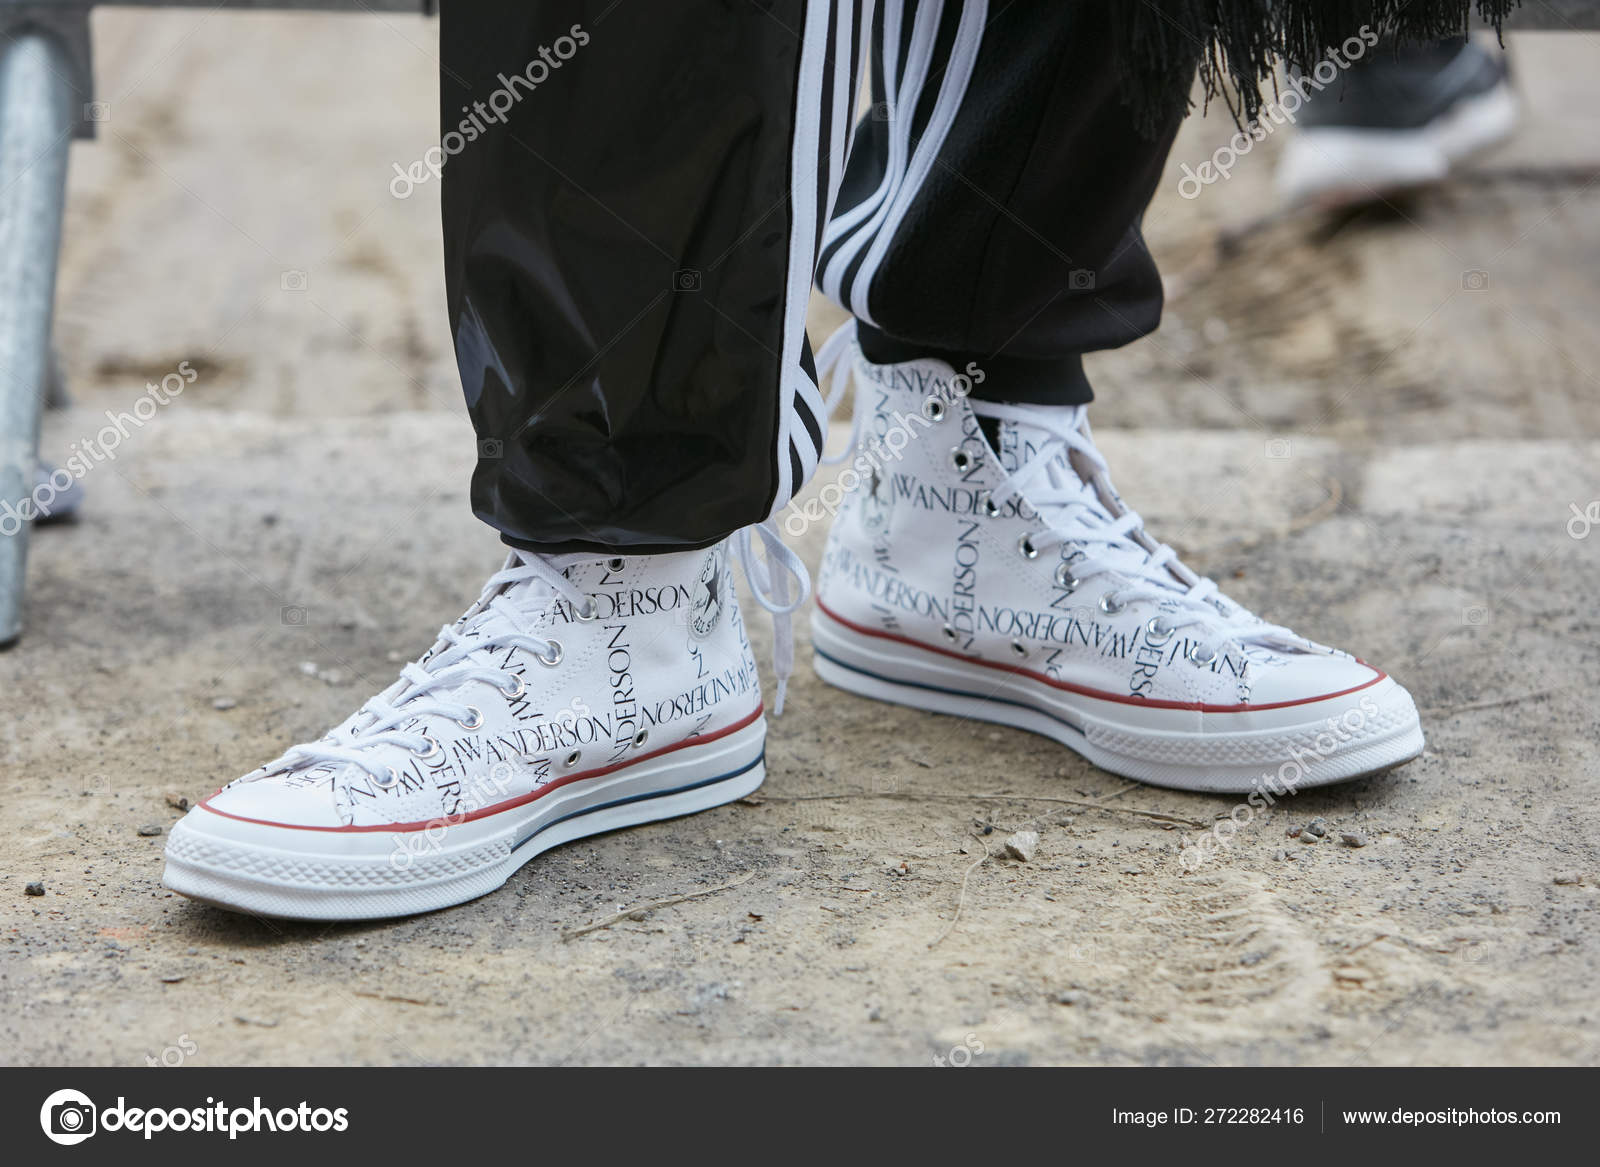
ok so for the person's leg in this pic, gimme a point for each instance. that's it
(991, 207)
(632, 206)
(985, 566)
(629, 257)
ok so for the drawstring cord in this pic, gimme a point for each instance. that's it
(769, 581)
(836, 364)
(769, 584)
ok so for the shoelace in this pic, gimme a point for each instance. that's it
(498, 621)
(769, 584)
(1076, 515)
(1103, 543)
(836, 364)
(495, 621)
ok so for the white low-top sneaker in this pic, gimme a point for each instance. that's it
(578, 695)
(998, 576)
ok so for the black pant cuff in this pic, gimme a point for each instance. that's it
(1058, 380)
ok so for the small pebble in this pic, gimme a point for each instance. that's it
(223, 704)
(1568, 878)
(1280, 855)
(1354, 839)
(176, 801)
(1307, 837)
(34, 889)
(1317, 827)
(1071, 997)
(150, 830)
(1022, 845)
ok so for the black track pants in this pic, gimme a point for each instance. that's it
(638, 193)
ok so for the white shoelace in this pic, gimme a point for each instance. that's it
(836, 364)
(1103, 539)
(769, 584)
(501, 620)
(461, 654)
(1072, 506)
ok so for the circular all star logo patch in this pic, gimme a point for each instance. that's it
(710, 596)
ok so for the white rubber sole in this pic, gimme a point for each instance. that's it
(308, 874)
(1342, 165)
(1316, 743)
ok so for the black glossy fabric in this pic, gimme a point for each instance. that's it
(1023, 250)
(617, 245)
(615, 255)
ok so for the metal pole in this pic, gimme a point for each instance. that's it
(36, 123)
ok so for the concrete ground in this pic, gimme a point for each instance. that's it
(1352, 431)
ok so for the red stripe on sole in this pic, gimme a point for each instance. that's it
(1085, 691)
(499, 807)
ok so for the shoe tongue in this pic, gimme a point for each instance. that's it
(1019, 443)
(534, 597)
(1016, 443)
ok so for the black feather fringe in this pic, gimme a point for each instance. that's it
(1235, 44)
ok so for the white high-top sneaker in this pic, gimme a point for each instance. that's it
(578, 695)
(1006, 581)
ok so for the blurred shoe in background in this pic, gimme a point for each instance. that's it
(1398, 120)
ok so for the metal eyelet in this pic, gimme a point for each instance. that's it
(950, 633)
(986, 501)
(572, 759)
(933, 409)
(473, 719)
(393, 777)
(1019, 648)
(1026, 549)
(1065, 579)
(1110, 605)
(553, 658)
(433, 750)
(1201, 656)
(588, 610)
(615, 564)
(641, 737)
(961, 460)
(1158, 634)
(518, 688)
